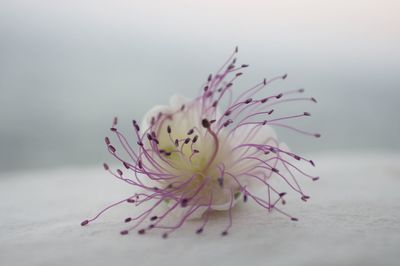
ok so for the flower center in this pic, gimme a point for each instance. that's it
(192, 152)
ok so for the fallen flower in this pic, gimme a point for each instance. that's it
(196, 156)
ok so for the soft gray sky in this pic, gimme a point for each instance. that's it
(67, 67)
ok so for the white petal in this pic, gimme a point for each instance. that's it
(226, 206)
(175, 102)
(284, 147)
(250, 135)
(178, 100)
(262, 133)
(153, 112)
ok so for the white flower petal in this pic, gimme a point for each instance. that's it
(153, 112)
(175, 102)
(250, 135)
(178, 100)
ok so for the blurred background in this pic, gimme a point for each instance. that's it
(68, 67)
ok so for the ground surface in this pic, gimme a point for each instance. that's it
(353, 218)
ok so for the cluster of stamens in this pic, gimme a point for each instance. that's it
(193, 158)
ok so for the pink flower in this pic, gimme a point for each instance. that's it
(205, 154)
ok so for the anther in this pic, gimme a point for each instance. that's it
(294, 219)
(221, 181)
(205, 123)
(119, 172)
(209, 77)
(124, 232)
(227, 123)
(106, 166)
(165, 235)
(130, 200)
(279, 95)
(301, 90)
(317, 135)
(141, 231)
(305, 198)
(284, 76)
(228, 113)
(307, 114)
(187, 140)
(239, 74)
(199, 231)
(176, 142)
(312, 163)
(248, 101)
(190, 132)
(127, 166)
(274, 170)
(195, 139)
(107, 140)
(182, 107)
(244, 65)
(115, 121)
(149, 136)
(169, 129)
(111, 148)
(84, 222)
(224, 233)
(184, 202)
(113, 129)
(140, 164)
(264, 100)
(127, 220)
(313, 99)
(153, 218)
(264, 122)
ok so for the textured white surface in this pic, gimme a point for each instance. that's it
(353, 218)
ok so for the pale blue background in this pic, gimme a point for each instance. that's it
(67, 67)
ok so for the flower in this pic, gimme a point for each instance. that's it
(196, 156)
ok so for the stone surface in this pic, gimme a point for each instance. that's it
(352, 218)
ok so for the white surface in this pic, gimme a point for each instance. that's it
(352, 219)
